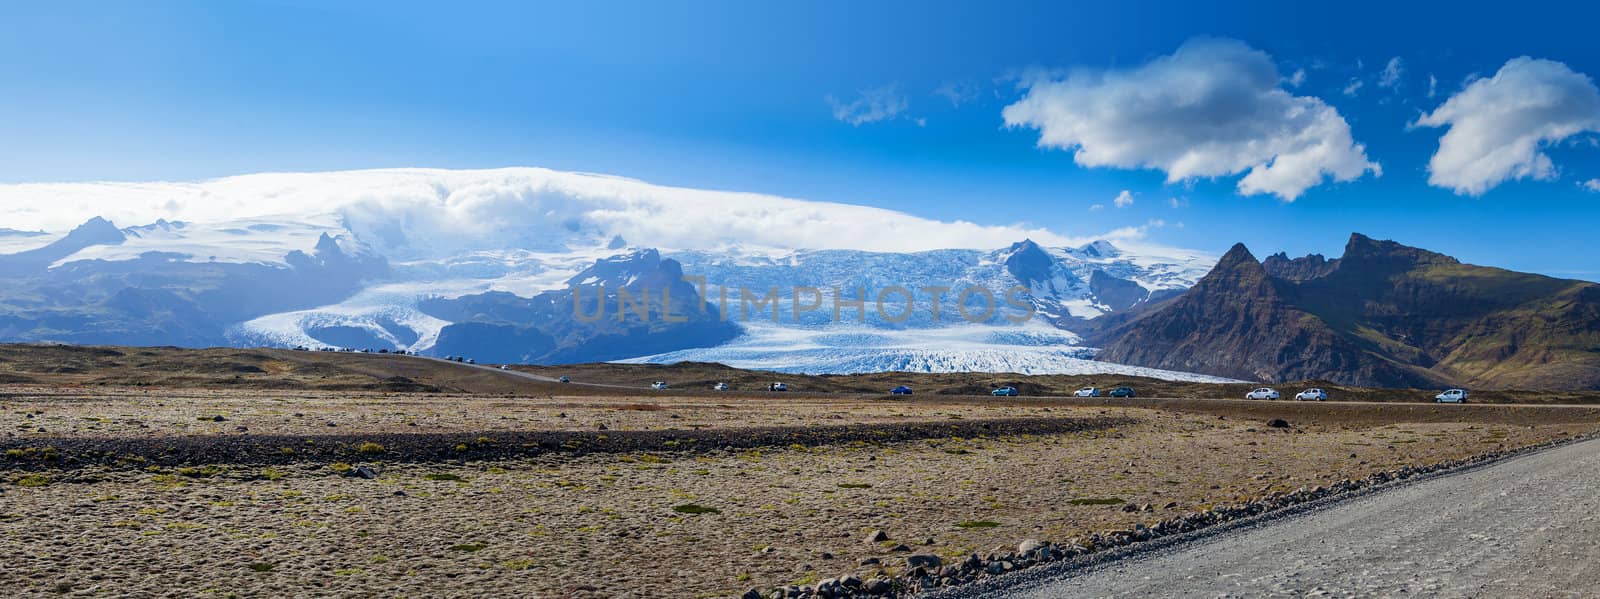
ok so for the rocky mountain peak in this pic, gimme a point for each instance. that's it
(1028, 262)
(95, 231)
(1365, 249)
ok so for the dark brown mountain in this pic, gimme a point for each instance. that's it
(1384, 314)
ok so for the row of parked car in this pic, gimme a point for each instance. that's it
(1268, 393)
(1260, 393)
(663, 386)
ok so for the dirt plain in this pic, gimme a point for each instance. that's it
(477, 483)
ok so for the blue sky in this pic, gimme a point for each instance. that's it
(758, 96)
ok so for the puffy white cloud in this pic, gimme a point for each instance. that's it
(1592, 185)
(1500, 125)
(430, 212)
(871, 106)
(1096, 207)
(1214, 107)
(1123, 200)
(1433, 85)
(1390, 76)
(1298, 78)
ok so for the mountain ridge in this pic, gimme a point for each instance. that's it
(1382, 314)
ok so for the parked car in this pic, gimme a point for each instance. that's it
(777, 387)
(720, 387)
(1006, 391)
(901, 390)
(1123, 392)
(564, 379)
(1452, 396)
(1262, 393)
(503, 367)
(1311, 395)
(1087, 392)
(659, 385)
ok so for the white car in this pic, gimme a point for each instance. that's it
(777, 387)
(1087, 392)
(1311, 395)
(720, 387)
(659, 385)
(1452, 396)
(1262, 393)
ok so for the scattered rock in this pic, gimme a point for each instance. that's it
(901, 548)
(877, 536)
(1030, 545)
(871, 561)
(923, 560)
(218, 418)
(1278, 423)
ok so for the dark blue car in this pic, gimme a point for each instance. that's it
(901, 390)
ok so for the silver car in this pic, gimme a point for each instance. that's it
(1262, 393)
(1311, 395)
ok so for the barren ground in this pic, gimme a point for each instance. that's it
(679, 520)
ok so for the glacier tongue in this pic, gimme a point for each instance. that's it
(853, 349)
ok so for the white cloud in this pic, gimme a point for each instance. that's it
(430, 212)
(1213, 108)
(1178, 203)
(1591, 185)
(958, 92)
(1499, 126)
(1390, 76)
(873, 105)
(1433, 85)
(1123, 200)
(1354, 86)
(1136, 232)
(1298, 78)
(1096, 207)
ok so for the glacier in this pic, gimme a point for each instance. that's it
(399, 241)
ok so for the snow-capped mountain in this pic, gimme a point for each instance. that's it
(497, 264)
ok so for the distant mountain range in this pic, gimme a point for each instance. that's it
(1384, 314)
(497, 282)
(501, 266)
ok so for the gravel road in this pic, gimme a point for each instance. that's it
(1526, 527)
